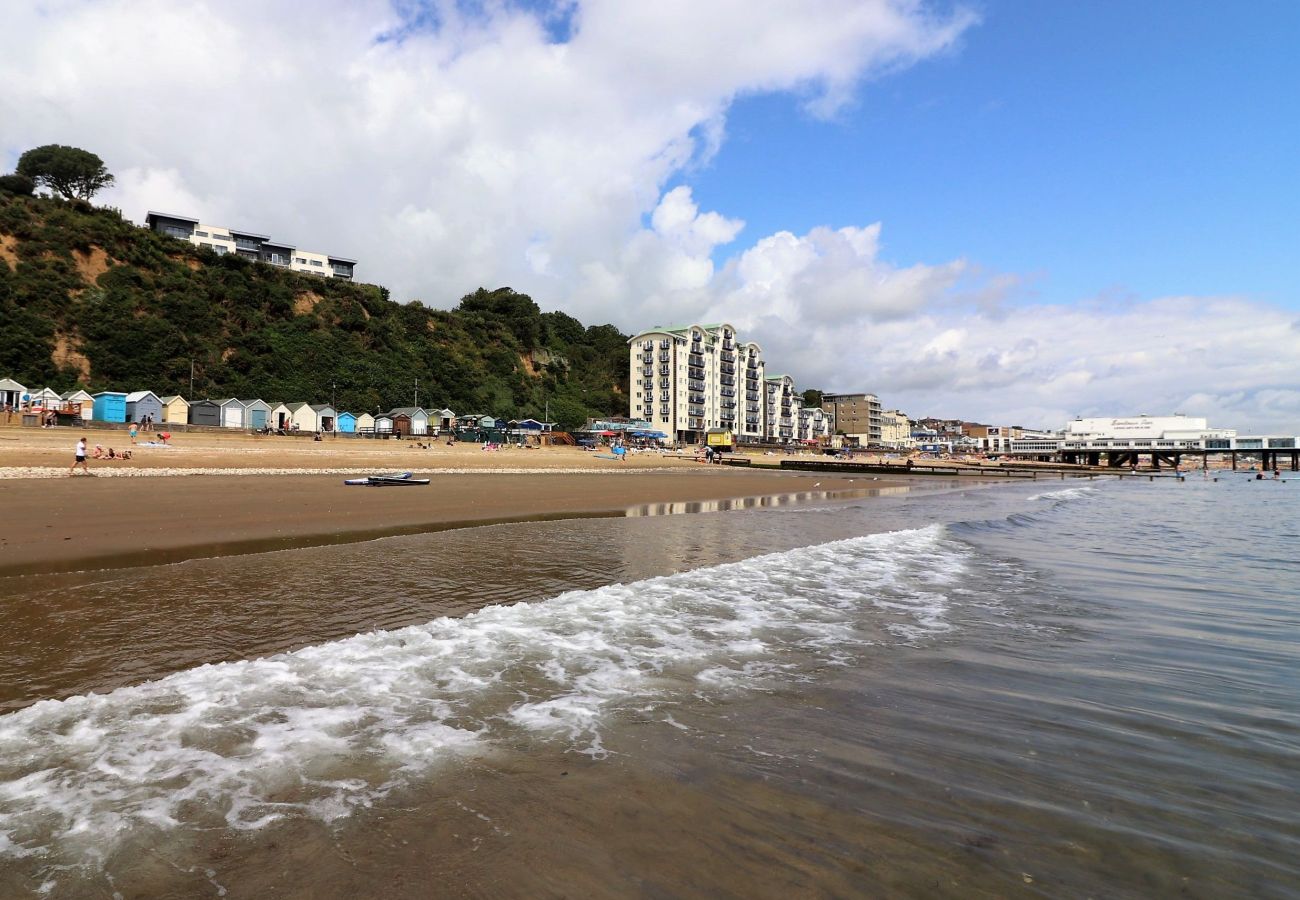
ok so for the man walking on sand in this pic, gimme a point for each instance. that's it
(81, 458)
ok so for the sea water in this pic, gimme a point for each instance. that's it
(1085, 689)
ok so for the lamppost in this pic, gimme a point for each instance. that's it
(191, 379)
(332, 393)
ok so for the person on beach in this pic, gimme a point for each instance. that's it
(81, 458)
(133, 431)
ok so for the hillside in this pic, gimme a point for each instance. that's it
(88, 299)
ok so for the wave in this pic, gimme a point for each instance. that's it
(327, 729)
(1066, 494)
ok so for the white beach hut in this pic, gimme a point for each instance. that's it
(280, 416)
(383, 424)
(47, 398)
(12, 394)
(410, 420)
(303, 416)
(365, 424)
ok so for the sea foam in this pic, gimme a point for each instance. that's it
(327, 729)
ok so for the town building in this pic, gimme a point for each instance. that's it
(895, 430)
(250, 245)
(686, 380)
(856, 416)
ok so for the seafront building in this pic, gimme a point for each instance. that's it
(688, 379)
(856, 416)
(250, 245)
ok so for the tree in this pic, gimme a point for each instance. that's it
(17, 184)
(812, 398)
(69, 171)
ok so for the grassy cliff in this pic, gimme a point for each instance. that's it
(88, 299)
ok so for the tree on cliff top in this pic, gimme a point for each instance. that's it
(69, 171)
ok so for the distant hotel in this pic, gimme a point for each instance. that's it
(686, 380)
(250, 245)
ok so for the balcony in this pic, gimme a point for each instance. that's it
(664, 370)
(648, 371)
(728, 392)
(728, 379)
(728, 404)
(728, 356)
(695, 358)
(664, 356)
(728, 369)
(752, 407)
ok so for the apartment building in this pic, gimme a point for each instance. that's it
(895, 430)
(856, 416)
(688, 379)
(250, 245)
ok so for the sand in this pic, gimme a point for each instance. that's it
(263, 493)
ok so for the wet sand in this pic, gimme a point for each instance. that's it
(277, 495)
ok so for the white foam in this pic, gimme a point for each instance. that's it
(330, 728)
(1076, 493)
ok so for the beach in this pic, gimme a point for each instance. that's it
(215, 495)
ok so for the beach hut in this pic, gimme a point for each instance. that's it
(110, 406)
(383, 424)
(325, 416)
(143, 403)
(175, 410)
(365, 423)
(442, 420)
(46, 398)
(346, 423)
(409, 420)
(257, 414)
(81, 397)
(303, 417)
(205, 412)
(280, 417)
(232, 413)
(12, 394)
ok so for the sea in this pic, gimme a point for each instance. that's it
(1081, 688)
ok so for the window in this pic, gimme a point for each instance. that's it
(317, 262)
(300, 260)
(200, 234)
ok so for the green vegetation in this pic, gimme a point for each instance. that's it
(17, 184)
(75, 173)
(88, 299)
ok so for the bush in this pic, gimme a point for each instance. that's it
(17, 184)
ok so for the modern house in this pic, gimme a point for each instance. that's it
(325, 416)
(250, 245)
(12, 393)
(175, 410)
(346, 423)
(110, 406)
(143, 403)
(232, 413)
(205, 412)
(257, 413)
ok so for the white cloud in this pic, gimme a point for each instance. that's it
(481, 151)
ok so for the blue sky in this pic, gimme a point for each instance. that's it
(1011, 212)
(1099, 147)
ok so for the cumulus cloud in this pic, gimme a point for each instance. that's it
(448, 146)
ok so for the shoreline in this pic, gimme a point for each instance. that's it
(77, 524)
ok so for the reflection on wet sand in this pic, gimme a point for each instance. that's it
(765, 502)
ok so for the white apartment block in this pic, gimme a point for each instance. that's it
(250, 245)
(689, 379)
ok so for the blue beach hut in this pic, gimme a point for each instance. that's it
(110, 406)
(346, 423)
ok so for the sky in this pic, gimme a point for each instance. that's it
(1007, 212)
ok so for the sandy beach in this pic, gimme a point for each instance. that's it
(230, 494)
